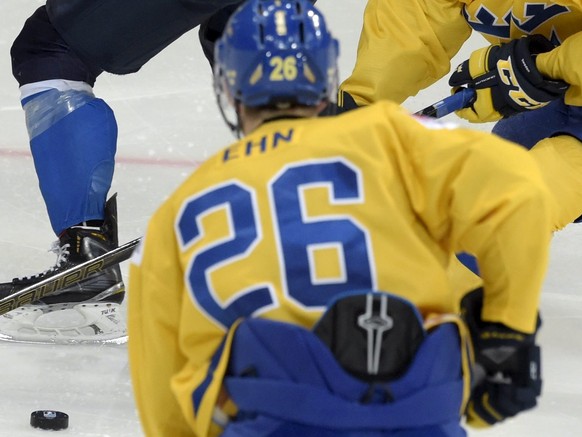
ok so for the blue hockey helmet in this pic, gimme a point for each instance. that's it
(276, 53)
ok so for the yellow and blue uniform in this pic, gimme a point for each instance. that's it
(407, 46)
(285, 219)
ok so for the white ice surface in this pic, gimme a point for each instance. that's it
(168, 122)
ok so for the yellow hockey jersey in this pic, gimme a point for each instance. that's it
(303, 209)
(405, 46)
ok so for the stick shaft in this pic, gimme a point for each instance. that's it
(68, 277)
(459, 100)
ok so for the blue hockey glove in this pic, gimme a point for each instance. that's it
(506, 79)
(509, 363)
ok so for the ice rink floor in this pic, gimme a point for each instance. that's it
(168, 122)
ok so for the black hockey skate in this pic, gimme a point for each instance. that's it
(97, 297)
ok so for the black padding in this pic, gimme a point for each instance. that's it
(354, 326)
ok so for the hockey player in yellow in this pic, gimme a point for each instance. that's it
(302, 210)
(405, 46)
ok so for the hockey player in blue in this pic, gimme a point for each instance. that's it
(56, 59)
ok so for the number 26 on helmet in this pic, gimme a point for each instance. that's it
(275, 53)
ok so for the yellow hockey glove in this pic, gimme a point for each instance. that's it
(506, 80)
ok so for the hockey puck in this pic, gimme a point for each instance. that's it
(48, 419)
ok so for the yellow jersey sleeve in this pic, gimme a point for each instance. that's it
(404, 47)
(461, 184)
(156, 354)
(565, 63)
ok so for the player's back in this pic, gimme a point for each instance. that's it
(304, 209)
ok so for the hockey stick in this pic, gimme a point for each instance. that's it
(64, 279)
(459, 100)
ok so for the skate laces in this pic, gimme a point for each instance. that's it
(62, 257)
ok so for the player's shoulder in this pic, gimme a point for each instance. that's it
(379, 106)
(392, 116)
(378, 113)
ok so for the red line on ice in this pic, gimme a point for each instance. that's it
(10, 153)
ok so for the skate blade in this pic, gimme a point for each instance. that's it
(66, 323)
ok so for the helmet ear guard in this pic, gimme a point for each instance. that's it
(227, 104)
(275, 53)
